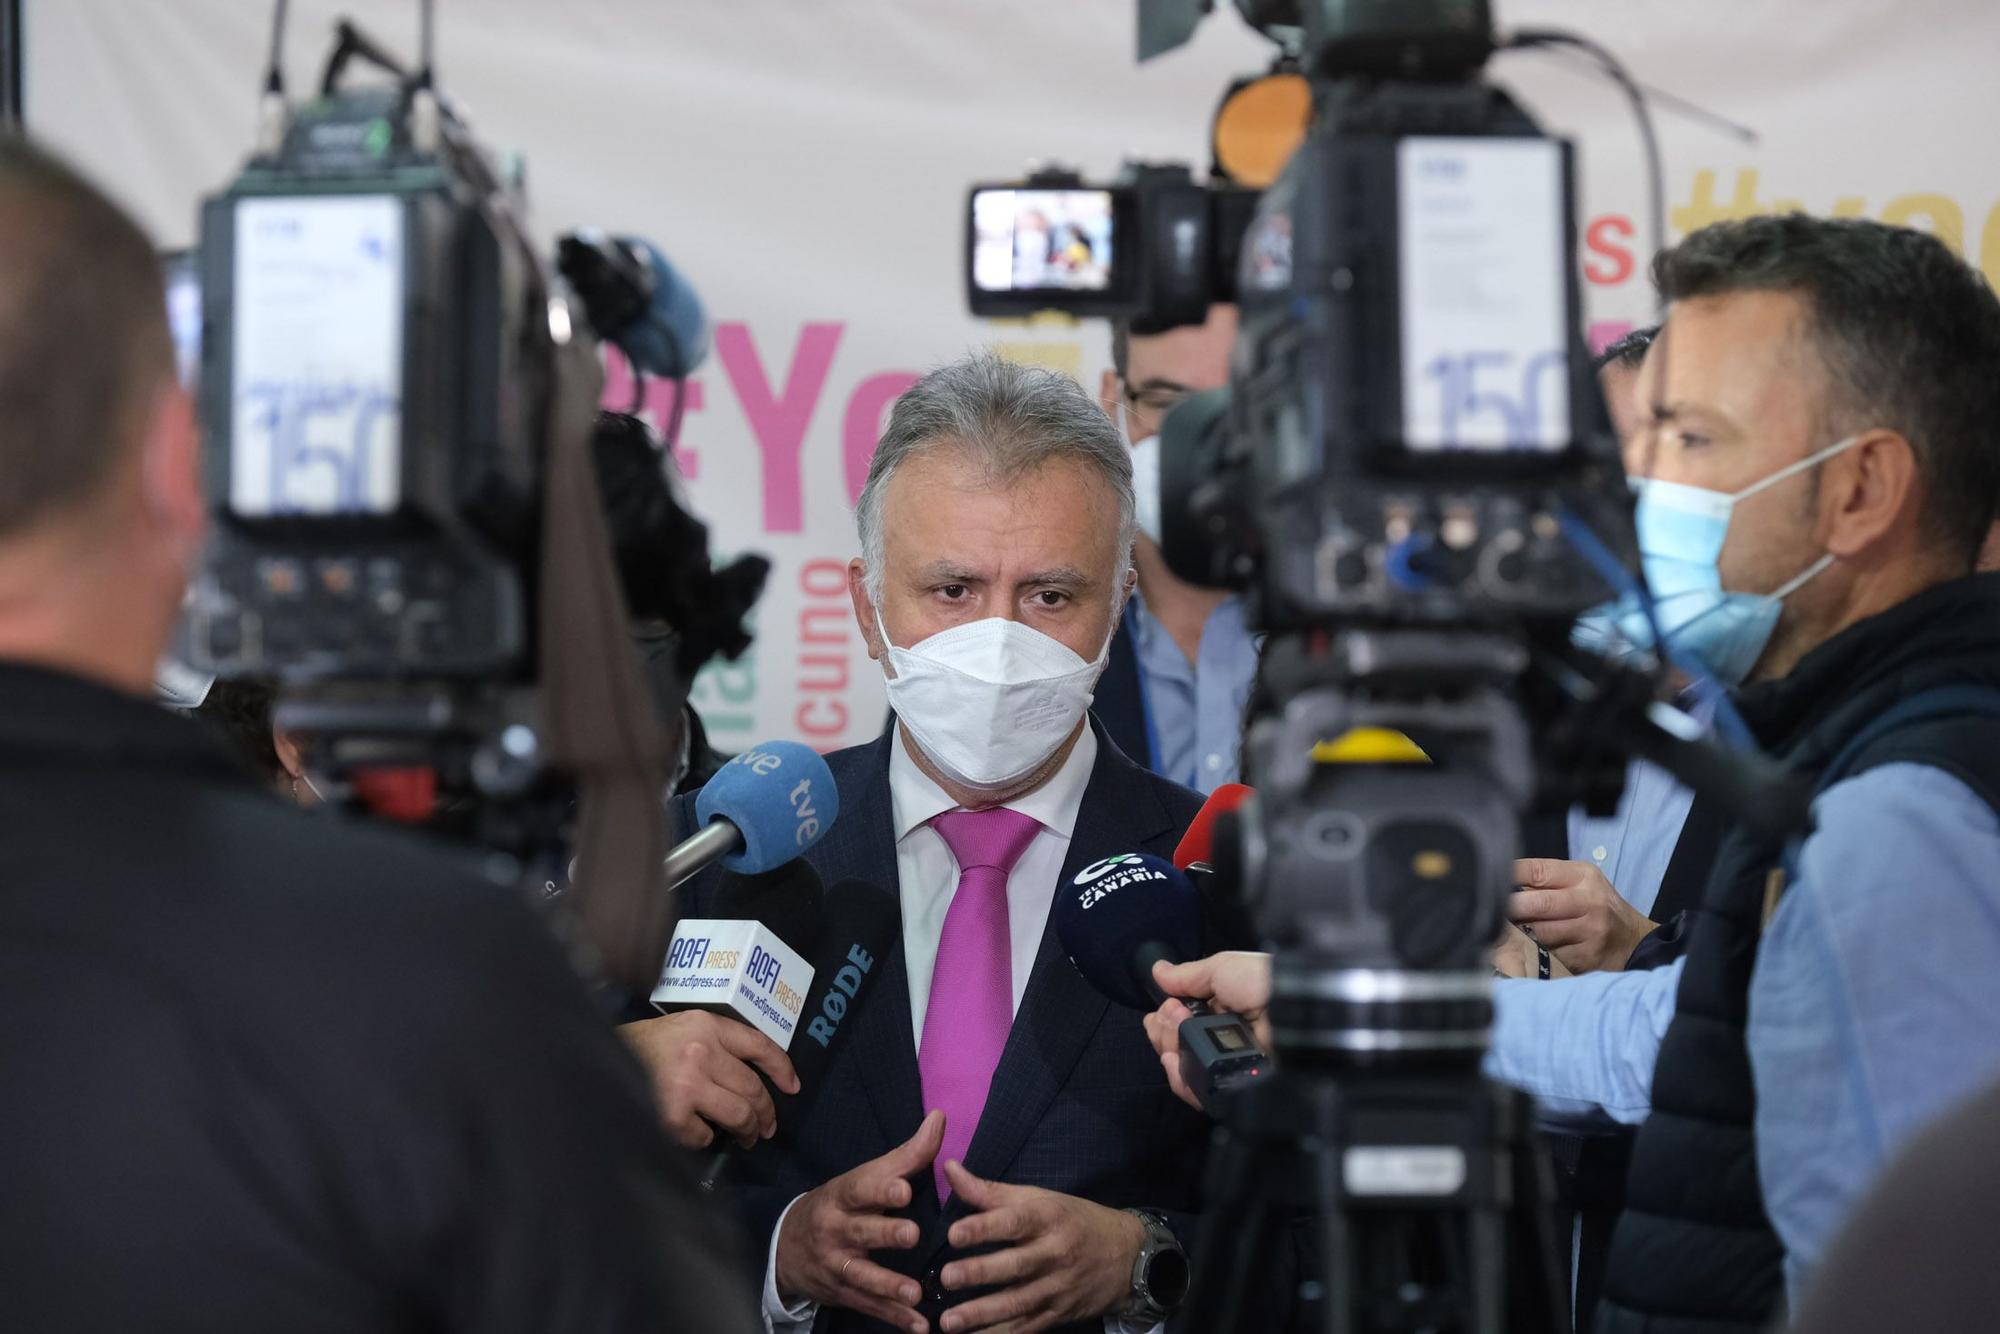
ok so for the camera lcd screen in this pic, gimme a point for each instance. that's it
(1484, 274)
(1229, 1038)
(317, 356)
(1042, 240)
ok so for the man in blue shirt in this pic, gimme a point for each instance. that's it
(1863, 353)
(1182, 664)
(1822, 444)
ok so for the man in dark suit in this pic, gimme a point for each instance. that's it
(996, 1144)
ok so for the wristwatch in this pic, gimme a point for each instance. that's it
(1159, 1275)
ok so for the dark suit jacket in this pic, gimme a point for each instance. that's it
(1079, 1103)
(1120, 697)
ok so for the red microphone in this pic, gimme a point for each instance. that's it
(1226, 923)
(1199, 841)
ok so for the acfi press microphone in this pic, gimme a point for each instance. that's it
(859, 925)
(1116, 919)
(761, 809)
(746, 960)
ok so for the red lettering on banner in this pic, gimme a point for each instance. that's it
(779, 421)
(821, 713)
(862, 426)
(823, 578)
(841, 618)
(1603, 333)
(1598, 239)
(835, 717)
(833, 679)
(656, 405)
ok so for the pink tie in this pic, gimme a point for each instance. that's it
(972, 986)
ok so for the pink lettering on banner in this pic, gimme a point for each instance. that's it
(862, 426)
(826, 618)
(824, 625)
(779, 420)
(1603, 333)
(656, 405)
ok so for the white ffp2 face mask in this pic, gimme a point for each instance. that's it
(990, 700)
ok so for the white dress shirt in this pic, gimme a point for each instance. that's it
(927, 879)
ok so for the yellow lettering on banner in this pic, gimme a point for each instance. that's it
(1702, 208)
(1989, 247)
(1066, 357)
(1947, 223)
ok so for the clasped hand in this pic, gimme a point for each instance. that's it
(1060, 1258)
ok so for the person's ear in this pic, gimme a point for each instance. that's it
(1108, 393)
(864, 608)
(1867, 491)
(170, 469)
(289, 758)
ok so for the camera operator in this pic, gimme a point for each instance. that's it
(1823, 418)
(1181, 667)
(264, 1070)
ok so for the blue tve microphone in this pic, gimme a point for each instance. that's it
(1116, 919)
(761, 809)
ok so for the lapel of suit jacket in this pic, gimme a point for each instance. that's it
(882, 1045)
(1060, 1011)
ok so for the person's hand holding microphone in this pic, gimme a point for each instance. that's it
(1237, 982)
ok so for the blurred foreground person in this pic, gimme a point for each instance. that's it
(264, 1071)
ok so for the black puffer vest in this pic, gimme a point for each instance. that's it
(1694, 1252)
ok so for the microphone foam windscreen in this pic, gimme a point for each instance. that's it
(1198, 844)
(859, 926)
(779, 794)
(671, 337)
(787, 900)
(1111, 908)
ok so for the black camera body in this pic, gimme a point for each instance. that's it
(377, 364)
(1411, 412)
(1155, 247)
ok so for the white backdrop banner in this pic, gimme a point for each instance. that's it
(804, 163)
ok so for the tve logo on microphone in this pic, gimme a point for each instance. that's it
(805, 809)
(741, 967)
(1100, 880)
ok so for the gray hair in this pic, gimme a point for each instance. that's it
(1011, 419)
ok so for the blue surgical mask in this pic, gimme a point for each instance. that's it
(1681, 534)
